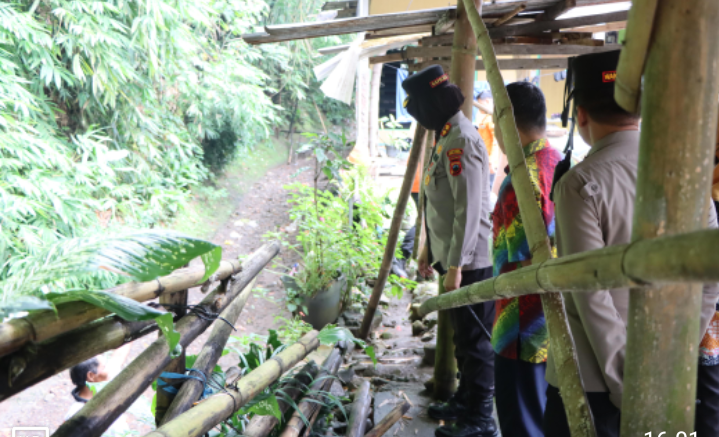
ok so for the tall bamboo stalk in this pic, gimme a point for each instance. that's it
(680, 258)
(210, 412)
(105, 407)
(464, 55)
(675, 167)
(419, 224)
(35, 363)
(43, 325)
(261, 426)
(207, 359)
(419, 139)
(445, 364)
(561, 343)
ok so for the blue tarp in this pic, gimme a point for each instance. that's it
(404, 117)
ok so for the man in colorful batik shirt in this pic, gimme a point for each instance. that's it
(520, 338)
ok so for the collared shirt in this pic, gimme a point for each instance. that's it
(595, 209)
(456, 186)
(520, 330)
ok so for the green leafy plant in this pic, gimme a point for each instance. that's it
(392, 129)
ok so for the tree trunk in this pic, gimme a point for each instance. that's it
(106, 406)
(210, 412)
(262, 426)
(561, 342)
(675, 167)
(419, 139)
(207, 359)
(360, 410)
(374, 109)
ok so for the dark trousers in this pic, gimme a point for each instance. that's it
(472, 346)
(707, 411)
(520, 394)
(607, 417)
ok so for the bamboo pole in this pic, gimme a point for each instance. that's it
(419, 224)
(374, 109)
(389, 420)
(419, 139)
(627, 87)
(210, 412)
(207, 359)
(35, 363)
(688, 257)
(464, 54)
(561, 343)
(360, 410)
(105, 407)
(261, 426)
(43, 325)
(163, 398)
(309, 404)
(673, 180)
(445, 363)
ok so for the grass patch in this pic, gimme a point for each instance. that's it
(214, 202)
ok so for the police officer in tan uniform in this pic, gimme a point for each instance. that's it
(456, 186)
(594, 209)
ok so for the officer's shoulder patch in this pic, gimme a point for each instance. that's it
(445, 129)
(589, 190)
(455, 154)
(455, 168)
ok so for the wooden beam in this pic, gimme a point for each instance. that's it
(509, 15)
(347, 25)
(392, 57)
(512, 49)
(558, 9)
(346, 13)
(608, 27)
(504, 64)
(330, 6)
(543, 26)
(387, 33)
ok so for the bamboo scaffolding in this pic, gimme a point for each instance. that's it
(674, 176)
(207, 359)
(35, 363)
(561, 343)
(105, 407)
(210, 412)
(419, 139)
(688, 257)
(389, 420)
(261, 426)
(43, 325)
(360, 410)
(164, 398)
(309, 405)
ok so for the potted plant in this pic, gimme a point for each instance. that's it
(337, 250)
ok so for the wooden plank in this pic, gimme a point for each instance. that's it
(609, 27)
(509, 15)
(330, 6)
(392, 57)
(543, 26)
(345, 13)
(386, 33)
(558, 9)
(512, 49)
(505, 64)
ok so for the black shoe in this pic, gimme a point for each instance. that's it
(469, 428)
(451, 410)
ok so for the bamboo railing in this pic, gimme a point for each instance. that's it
(105, 407)
(561, 342)
(44, 325)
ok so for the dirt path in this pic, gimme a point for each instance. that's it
(263, 208)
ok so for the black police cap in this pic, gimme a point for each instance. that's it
(427, 80)
(594, 76)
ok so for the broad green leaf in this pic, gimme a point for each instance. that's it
(124, 307)
(166, 325)
(267, 407)
(211, 260)
(24, 303)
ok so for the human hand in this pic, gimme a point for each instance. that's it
(452, 279)
(423, 263)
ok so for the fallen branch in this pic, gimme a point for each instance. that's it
(360, 410)
(389, 420)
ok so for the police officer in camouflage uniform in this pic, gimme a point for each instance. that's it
(456, 186)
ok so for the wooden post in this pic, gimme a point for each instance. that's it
(419, 234)
(419, 138)
(362, 88)
(561, 342)
(163, 398)
(374, 109)
(191, 389)
(106, 406)
(360, 410)
(679, 116)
